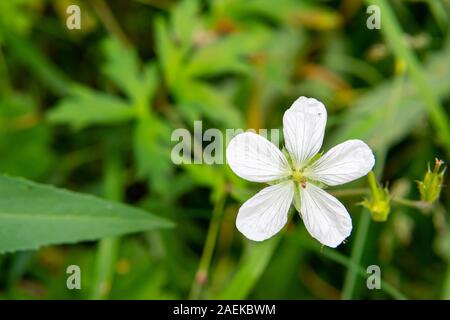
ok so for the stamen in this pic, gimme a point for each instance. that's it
(298, 176)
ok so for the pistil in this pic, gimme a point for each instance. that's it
(298, 176)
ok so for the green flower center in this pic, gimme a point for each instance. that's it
(298, 176)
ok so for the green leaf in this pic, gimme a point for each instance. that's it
(19, 15)
(393, 34)
(286, 12)
(336, 256)
(208, 176)
(256, 8)
(169, 56)
(254, 261)
(228, 54)
(184, 20)
(389, 112)
(152, 152)
(123, 68)
(88, 107)
(34, 215)
(23, 140)
(28, 54)
(121, 64)
(198, 98)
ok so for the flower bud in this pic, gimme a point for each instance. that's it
(431, 186)
(379, 202)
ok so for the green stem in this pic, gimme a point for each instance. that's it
(107, 250)
(356, 255)
(254, 261)
(25, 52)
(439, 12)
(360, 240)
(420, 205)
(393, 35)
(201, 276)
(349, 192)
(112, 26)
(364, 222)
(343, 260)
(373, 184)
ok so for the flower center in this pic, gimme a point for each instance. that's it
(299, 176)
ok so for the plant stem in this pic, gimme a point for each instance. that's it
(356, 255)
(439, 12)
(420, 205)
(364, 222)
(253, 263)
(110, 22)
(349, 192)
(360, 240)
(343, 260)
(107, 250)
(373, 184)
(393, 35)
(201, 276)
(38, 64)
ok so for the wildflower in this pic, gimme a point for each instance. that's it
(297, 175)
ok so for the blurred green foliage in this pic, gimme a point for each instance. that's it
(92, 110)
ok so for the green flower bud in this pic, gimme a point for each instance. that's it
(431, 186)
(379, 203)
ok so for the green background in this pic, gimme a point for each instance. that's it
(92, 110)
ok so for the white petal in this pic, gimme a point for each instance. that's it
(304, 126)
(325, 218)
(343, 163)
(263, 215)
(255, 158)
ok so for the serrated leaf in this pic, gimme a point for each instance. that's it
(121, 64)
(87, 107)
(195, 96)
(152, 152)
(169, 56)
(34, 215)
(123, 68)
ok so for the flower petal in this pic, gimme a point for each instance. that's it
(304, 126)
(254, 158)
(325, 218)
(343, 163)
(263, 215)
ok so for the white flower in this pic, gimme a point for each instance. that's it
(300, 174)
